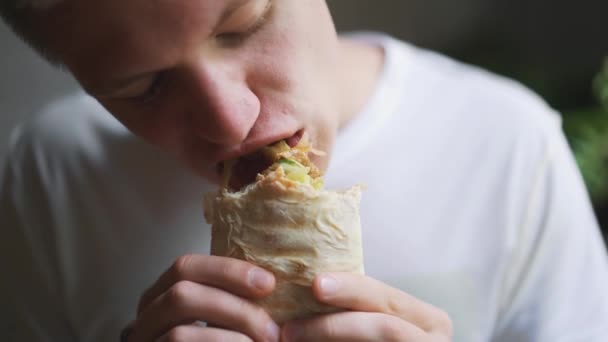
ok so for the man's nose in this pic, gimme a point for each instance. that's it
(223, 108)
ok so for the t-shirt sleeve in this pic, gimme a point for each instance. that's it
(31, 297)
(556, 286)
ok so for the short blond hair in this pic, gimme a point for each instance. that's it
(16, 14)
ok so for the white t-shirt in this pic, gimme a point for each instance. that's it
(473, 203)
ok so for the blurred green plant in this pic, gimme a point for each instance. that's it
(600, 85)
(587, 132)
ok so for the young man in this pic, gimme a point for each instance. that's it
(476, 225)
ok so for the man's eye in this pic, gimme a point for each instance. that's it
(152, 91)
(235, 38)
(238, 37)
(231, 38)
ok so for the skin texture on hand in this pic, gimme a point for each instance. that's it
(378, 313)
(201, 288)
(216, 290)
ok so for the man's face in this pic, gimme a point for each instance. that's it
(206, 80)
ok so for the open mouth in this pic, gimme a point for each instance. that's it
(244, 170)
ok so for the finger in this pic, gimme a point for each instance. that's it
(233, 275)
(187, 302)
(361, 293)
(352, 327)
(193, 333)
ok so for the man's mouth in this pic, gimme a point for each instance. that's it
(245, 169)
(295, 139)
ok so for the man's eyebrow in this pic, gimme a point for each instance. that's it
(113, 86)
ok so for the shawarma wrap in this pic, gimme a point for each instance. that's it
(288, 224)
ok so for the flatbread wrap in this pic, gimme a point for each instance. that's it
(288, 224)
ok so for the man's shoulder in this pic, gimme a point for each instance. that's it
(476, 121)
(66, 121)
(75, 125)
(476, 105)
(74, 144)
(473, 90)
(72, 141)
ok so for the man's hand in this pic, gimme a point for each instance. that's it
(378, 313)
(201, 288)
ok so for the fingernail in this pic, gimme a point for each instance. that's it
(292, 332)
(272, 332)
(329, 285)
(260, 279)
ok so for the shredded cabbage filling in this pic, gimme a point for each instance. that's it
(289, 164)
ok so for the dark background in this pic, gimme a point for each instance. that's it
(554, 46)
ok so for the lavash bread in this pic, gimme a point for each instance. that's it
(291, 229)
